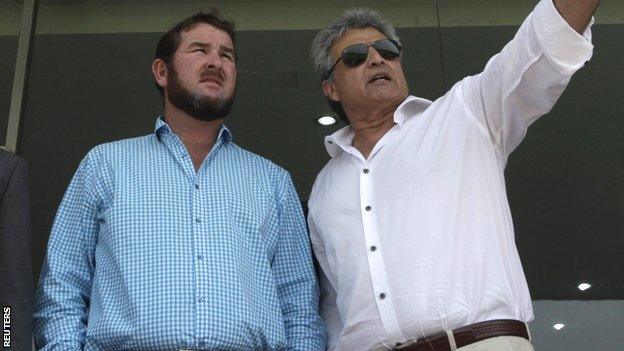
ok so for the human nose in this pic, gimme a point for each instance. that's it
(373, 57)
(214, 61)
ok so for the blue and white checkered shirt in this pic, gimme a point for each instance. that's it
(147, 254)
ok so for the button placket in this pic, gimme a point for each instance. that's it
(198, 244)
(374, 255)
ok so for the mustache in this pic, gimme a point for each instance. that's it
(211, 74)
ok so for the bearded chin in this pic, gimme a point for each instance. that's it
(203, 108)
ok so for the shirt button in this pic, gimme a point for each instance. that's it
(365, 170)
(197, 220)
(382, 296)
(200, 257)
(197, 186)
(201, 299)
(373, 248)
(368, 208)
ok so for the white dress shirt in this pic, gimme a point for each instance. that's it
(418, 238)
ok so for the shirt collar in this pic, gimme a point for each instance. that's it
(162, 128)
(342, 138)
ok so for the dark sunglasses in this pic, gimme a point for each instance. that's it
(354, 55)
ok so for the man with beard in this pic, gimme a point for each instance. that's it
(181, 239)
(409, 220)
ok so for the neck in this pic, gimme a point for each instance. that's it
(197, 136)
(369, 126)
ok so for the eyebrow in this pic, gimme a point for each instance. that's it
(198, 43)
(205, 45)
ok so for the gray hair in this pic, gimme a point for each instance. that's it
(354, 18)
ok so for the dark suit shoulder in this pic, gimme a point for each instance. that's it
(8, 160)
(10, 164)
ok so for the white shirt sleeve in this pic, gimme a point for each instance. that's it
(526, 78)
(328, 309)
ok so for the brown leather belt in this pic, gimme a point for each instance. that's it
(468, 335)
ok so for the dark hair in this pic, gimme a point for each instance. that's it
(170, 41)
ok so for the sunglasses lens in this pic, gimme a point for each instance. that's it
(354, 55)
(387, 49)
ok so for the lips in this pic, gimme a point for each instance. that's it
(380, 76)
(212, 77)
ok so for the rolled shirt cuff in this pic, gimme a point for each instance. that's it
(564, 46)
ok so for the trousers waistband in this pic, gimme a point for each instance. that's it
(451, 340)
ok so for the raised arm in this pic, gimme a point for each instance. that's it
(577, 13)
(526, 78)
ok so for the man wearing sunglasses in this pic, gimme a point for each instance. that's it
(409, 220)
